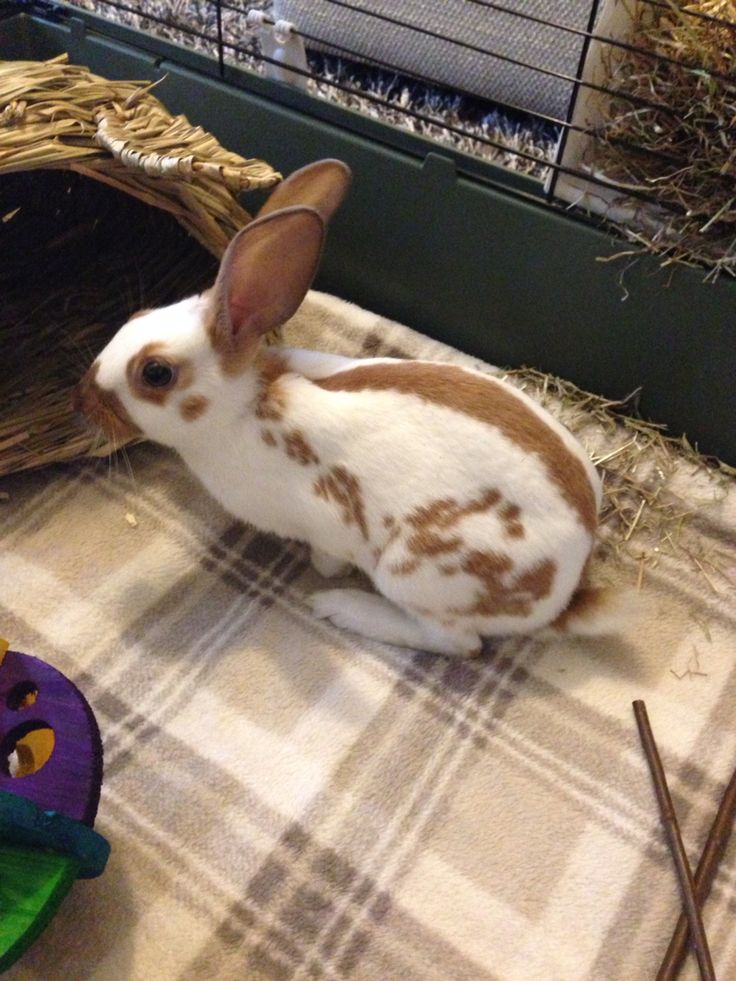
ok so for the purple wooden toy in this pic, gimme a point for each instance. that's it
(50, 778)
(43, 714)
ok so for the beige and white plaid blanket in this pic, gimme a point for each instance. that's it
(286, 801)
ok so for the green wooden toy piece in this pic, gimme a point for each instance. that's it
(32, 885)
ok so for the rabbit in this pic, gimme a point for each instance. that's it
(469, 507)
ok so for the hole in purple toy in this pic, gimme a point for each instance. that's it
(26, 749)
(22, 696)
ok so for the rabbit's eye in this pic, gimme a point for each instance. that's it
(158, 374)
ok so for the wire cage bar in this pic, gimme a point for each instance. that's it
(565, 151)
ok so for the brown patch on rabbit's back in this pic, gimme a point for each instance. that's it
(503, 593)
(298, 448)
(430, 520)
(428, 529)
(428, 543)
(446, 512)
(510, 514)
(404, 568)
(489, 401)
(342, 487)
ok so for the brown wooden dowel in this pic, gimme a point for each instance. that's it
(674, 839)
(715, 846)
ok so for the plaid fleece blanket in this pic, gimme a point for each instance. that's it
(285, 800)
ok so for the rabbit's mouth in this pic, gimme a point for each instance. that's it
(103, 408)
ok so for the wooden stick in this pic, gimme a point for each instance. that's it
(674, 839)
(715, 846)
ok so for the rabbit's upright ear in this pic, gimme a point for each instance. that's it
(321, 185)
(264, 275)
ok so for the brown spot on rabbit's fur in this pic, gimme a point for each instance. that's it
(490, 402)
(404, 568)
(434, 515)
(513, 527)
(425, 542)
(193, 406)
(299, 449)
(103, 408)
(504, 594)
(445, 513)
(268, 437)
(388, 521)
(270, 400)
(344, 489)
(510, 513)
(155, 349)
(440, 515)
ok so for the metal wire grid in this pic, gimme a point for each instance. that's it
(222, 45)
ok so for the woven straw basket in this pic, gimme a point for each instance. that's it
(108, 203)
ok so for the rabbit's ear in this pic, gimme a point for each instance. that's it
(264, 275)
(321, 185)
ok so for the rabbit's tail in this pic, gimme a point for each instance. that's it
(597, 611)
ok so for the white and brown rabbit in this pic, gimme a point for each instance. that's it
(469, 507)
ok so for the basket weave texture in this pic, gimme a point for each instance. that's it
(57, 115)
(62, 128)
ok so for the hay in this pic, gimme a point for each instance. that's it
(689, 159)
(107, 203)
(57, 115)
(654, 486)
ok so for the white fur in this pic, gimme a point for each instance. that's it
(405, 452)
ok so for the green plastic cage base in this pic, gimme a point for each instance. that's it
(454, 247)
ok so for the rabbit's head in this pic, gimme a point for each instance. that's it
(167, 370)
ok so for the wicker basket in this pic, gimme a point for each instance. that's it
(107, 204)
